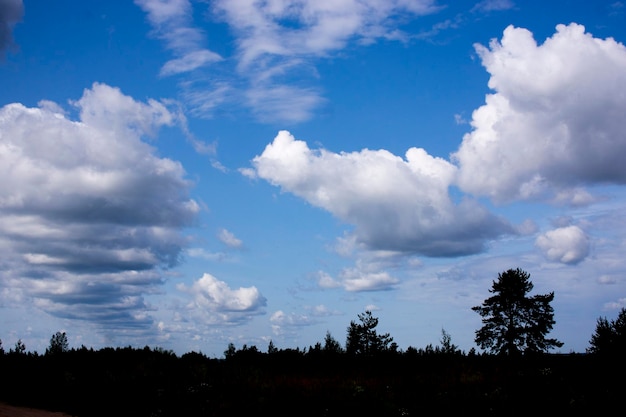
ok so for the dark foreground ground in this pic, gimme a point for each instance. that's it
(7, 410)
(152, 383)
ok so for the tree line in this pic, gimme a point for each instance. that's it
(368, 375)
(513, 323)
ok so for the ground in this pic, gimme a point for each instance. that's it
(7, 410)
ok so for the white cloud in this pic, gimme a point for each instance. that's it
(301, 28)
(216, 302)
(396, 204)
(554, 122)
(275, 41)
(189, 62)
(324, 280)
(172, 22)
(282, 321)
(356, 279)
(87, 210)
(229, 239)
(368, 274)
(568, 245)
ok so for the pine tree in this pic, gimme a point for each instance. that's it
(512, 322)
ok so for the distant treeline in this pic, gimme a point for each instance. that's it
(371, 376)
(310, 382)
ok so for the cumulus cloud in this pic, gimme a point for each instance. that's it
(88, 212)
(11, 12)
(396, 204)
(216, 302)
(568, 245)
(555, 122)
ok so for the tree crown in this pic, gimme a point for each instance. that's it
(512, 321)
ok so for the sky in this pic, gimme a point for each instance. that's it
(188, 174)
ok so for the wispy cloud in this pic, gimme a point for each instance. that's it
(173, 23)
(277, 44)
(229, 239)
(493, 5)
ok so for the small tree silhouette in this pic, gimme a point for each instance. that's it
(271, 348)
(20, 348)
(362, 338)
(58, 344)
(610, 336)
(447, 347)
(331, 345)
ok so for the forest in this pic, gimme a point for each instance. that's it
(514, 374)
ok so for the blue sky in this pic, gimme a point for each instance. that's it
(187, 174)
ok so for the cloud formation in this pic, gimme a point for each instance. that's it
(304, 28)
(173, 23)
(229, 239)
(286, 322)
(11, 12)
(277, 40)
(397, 204)
(555, 121)
(88, 212)
(568, 245)
(277, 44)
(217, 303)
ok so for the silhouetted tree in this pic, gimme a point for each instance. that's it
(271, 348)
(362, 338)
(513, 322)
(58, 344)
(331, 345)
(1, 348)
(20, 348)
(610, 336)
(447, 346)
(230, 351)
